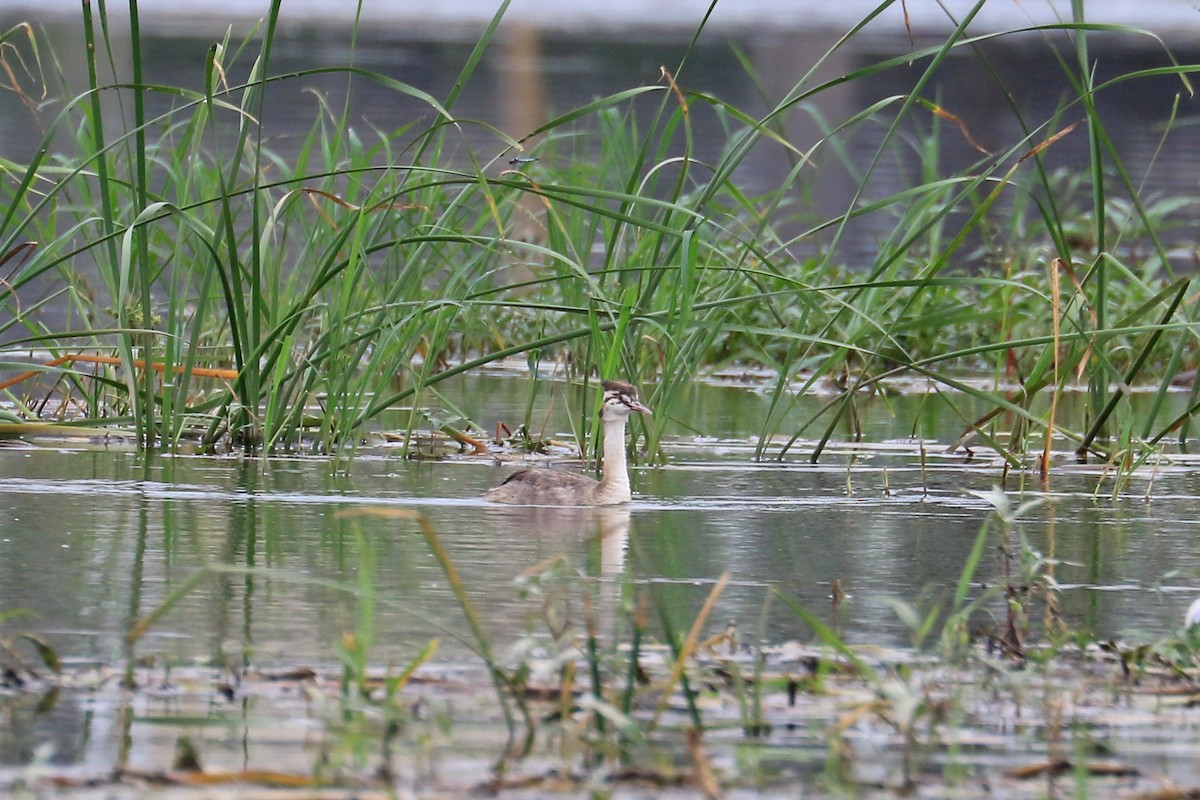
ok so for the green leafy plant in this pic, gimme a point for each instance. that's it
(222, 292)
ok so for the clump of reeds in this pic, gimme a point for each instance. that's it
(232, 295)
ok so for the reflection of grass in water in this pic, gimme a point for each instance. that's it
(1006, 703)
(346, 275)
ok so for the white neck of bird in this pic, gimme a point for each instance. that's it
(616, 474)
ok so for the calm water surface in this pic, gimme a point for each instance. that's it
(92, 539)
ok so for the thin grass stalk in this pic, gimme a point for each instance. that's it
(356, 645)
(761, 726)
(1002, 405)
(472, 62)
(635, 646)
(1056, 266)
(1180, 422)
(608, 324)
(593, 662)
(909, 100)
(898, 251)
(1054, 218)
(941, 259)
(1097, 381)
(397, 683)
(683, 652)
(250, 376)
(1095, 161)
(938, 263)
(1135, 366)
(501, 683)
(240, 305)
(143, 408)
(674, 642)
(1174, 367)
(144, 622)
(107, 216)
(137, 569)
(1136, 191)
(830, 638)
(428, 140)
(963, 587)
(103, 189)
(746, 142)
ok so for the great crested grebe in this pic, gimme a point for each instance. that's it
(554, 487)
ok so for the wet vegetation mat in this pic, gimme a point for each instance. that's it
(860, 722)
